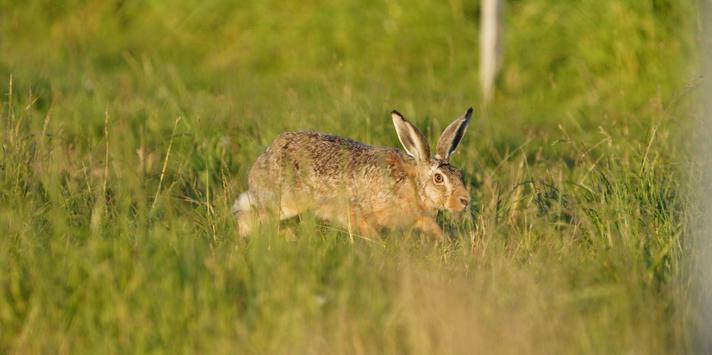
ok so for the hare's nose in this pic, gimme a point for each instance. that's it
(464, 201)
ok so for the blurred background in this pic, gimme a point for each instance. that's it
(588, 63)
(128, 128)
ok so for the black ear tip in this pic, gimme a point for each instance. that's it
(469, 111)
(395, 112)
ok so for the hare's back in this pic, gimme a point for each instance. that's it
(328, 156)
(314, 143)
(323, 152)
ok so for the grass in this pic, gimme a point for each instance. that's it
(128, 128)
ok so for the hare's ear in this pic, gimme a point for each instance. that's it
(411, 138)
(452, 135)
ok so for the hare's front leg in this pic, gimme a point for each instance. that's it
(366, 229)
(360, 224)
(428, 225)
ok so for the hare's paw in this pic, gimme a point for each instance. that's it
(429, 226)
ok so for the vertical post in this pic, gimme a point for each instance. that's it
(491, 36)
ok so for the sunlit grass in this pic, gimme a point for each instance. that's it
(577, 235)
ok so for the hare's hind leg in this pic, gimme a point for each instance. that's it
(289, 205)
(245, 221)
(250, 210)
(244, 213)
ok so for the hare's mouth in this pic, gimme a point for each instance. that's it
(458, 204)
(456, 210)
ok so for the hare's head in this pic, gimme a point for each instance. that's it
(440, 184)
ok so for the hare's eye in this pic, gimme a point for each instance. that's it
(438, 178)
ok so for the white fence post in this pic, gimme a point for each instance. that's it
(491, 33)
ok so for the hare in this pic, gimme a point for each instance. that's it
(361, 187)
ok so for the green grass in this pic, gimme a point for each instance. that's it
(578, 238)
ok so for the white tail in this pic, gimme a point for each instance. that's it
(242, 203)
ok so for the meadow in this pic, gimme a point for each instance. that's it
(127, 129)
